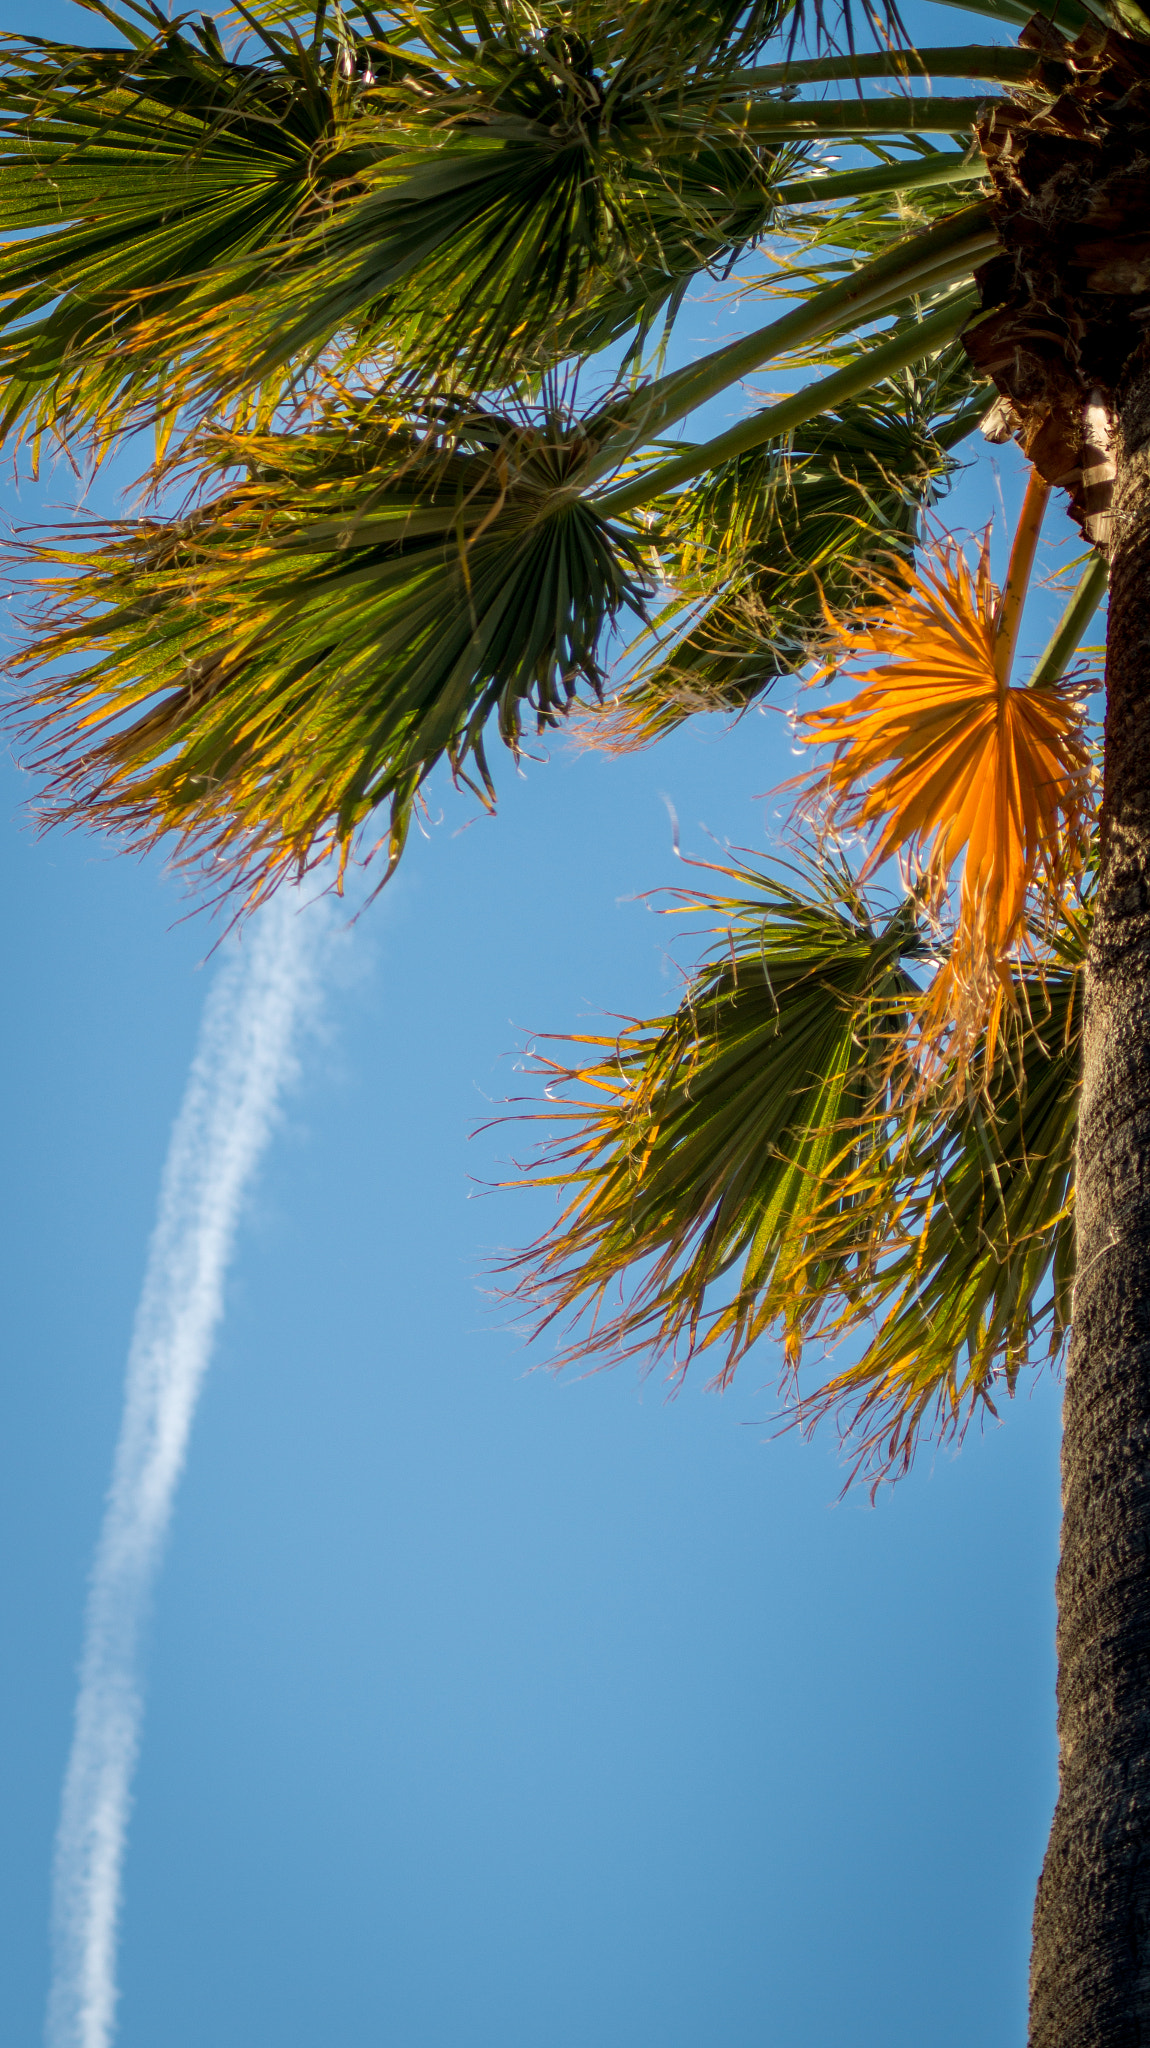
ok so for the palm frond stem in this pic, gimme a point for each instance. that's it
(1066, 638)
(1069, 15)
(1018, 573)
(894, 114)
(921, 338)
(1001, 62)
(931, 257)
(941, 167)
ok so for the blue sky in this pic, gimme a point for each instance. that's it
(485, 1710)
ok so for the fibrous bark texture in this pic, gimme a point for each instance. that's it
(1066, 303)
(1090, 1976)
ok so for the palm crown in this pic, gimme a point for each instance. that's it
(351, 277)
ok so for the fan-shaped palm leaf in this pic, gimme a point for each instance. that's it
(505, 233)
(138, 178)
(715, 1153)
(747, 1164)
(541, 189)
(262, 673)
(979, 1255)
(940, 757)
(758, 548)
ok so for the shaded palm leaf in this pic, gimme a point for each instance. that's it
(217, 218)
(259, 675)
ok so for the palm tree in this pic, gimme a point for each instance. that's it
(356, 275)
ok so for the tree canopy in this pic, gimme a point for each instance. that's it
(396, 293)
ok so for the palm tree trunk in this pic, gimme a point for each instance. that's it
(1090, 1973)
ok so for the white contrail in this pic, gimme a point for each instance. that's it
(242, 1061)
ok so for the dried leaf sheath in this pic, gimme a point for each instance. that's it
(303, 647)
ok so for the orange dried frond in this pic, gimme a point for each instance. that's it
(939, 758)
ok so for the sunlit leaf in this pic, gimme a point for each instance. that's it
(713, 1155)
(761, 1163)
(980, 1248)
(136, 178)
(940, 758)
(259, 675)
(542, 186)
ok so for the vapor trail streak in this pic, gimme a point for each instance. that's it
(242, 1061)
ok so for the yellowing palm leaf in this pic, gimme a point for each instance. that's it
(940, 756)
(336, 611)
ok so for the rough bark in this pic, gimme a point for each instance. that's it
(1090, 1976)
(1066, 302)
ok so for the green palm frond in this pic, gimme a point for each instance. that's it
(918, 336)
(470, 254)
(980, 1243)
(823, 241)
(715, 1154)
(765, 1160)
(756, 551)
(137, 178)
(465, 196)
(541, 189)
(701, 32)
(260, 674)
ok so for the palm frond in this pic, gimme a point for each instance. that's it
(980, 1245)
(257, 676)
(473, 249)
(136, 179)
(939, 757)
(714, 1154)
(544, 187)
(507, 172)
(539, 191)
(828, 238)
(755, 552)
(916, 337)
(748, 1166)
